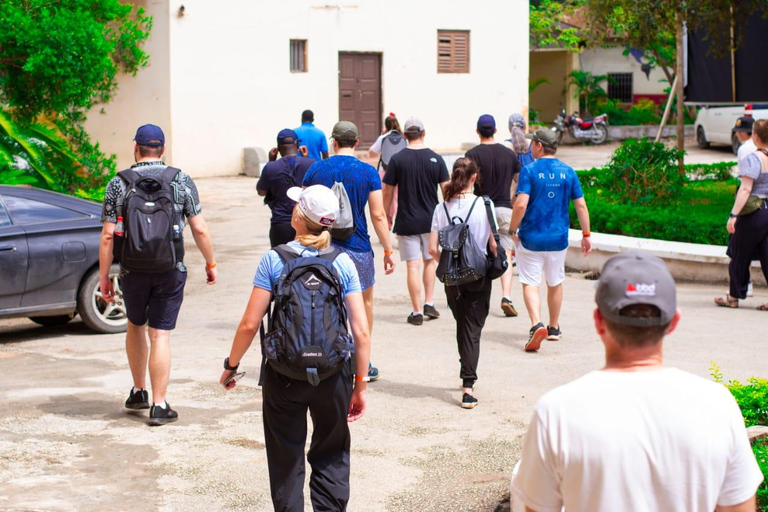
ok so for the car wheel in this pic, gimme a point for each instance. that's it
(602, 136)
(98, 314)
(735, 144)
(51, 321)
(701, 138)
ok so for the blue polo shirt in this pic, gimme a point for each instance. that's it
(359, 179)
(313, 138)
(551, 185)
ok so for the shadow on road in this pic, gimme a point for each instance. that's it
(28, 331)
(411, 390)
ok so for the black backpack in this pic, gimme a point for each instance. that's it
(390, 145)
(462, 261)
(148, 243)
(308, 338)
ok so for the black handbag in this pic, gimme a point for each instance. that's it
(498, 264)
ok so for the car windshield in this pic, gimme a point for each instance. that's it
(25, 211)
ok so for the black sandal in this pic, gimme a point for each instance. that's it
(727, 302)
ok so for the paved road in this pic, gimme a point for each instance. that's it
(66, 443)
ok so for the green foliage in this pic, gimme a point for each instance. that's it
(588, 88)
(644, 111)
(760, 449)
(547, 25)
(719, 171)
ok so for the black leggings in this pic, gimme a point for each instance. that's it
(470, 305)
(280, 234)
(751, 237)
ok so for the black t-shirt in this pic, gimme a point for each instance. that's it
(276, 178)
(417, 173)
(498, 165)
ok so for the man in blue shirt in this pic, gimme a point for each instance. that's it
(363, 187)
(311, 137)
(544, 192)
(275, 180)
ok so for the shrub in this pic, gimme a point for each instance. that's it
(644, 111)
(720, 171)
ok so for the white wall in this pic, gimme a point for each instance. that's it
(231, 86)
(145, 98)
(601, 61)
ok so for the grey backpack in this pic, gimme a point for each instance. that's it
(391, 144)
(344, 227)
(462, 261)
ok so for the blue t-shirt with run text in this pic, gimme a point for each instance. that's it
(312, 137)
(359, 179)
(551, 185)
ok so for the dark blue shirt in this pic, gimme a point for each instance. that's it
(551, 185)
(313, 138)
(276, 178)
(359, 179)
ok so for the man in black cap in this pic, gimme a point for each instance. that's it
(743, 132)
(637, 435)
(275, 180)
(152, 297)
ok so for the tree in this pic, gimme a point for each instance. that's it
(548, 27)
(588, 88)
(59, 58)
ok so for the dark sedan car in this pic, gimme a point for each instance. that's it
(49, 260)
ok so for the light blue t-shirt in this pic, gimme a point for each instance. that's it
(551, 185)
(751, 167)
(271, 266)
(313, 138)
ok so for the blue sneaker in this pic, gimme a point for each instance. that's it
(373, 373)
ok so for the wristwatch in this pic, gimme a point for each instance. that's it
(733, 215)
(230, 368)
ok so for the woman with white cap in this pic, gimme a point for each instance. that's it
(331, 400)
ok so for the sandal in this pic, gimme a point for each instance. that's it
(727, 302)
(762, 307)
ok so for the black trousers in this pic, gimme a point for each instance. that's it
(280, 234)
(286, 402)
(751, 237)
(470, 305)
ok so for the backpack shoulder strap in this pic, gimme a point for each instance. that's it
(329, 255)
(469, 214)
(129, 176)
(169, 174)
(491, 220)
(286, 253)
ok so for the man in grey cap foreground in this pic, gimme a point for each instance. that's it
(637, 435)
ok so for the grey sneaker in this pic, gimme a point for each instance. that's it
(159, 416)
(415, 319)
(553, 333)
(537, 334)
(431, 312)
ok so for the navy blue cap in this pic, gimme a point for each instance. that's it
(486, 122)
(287, 136)
(150, 135)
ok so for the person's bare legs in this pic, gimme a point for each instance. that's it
(159, 363)
(414, 284)
(138, 352)
(429, 281)
(555, 303)
(532, 303)
(506, 279)
(368, 301)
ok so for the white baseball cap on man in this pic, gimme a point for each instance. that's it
(317, 202)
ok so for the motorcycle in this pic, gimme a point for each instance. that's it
(594, 130)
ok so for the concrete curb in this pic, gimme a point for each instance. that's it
(687, 262)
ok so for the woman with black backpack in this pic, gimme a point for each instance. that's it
(469, 302)
(306, 364)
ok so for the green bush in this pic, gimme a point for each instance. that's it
(644, 111)
(720, 171)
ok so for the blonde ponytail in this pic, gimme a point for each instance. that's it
(318, 237)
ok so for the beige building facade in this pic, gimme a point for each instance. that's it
(228, 75)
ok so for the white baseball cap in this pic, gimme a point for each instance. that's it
(317, 202)
(413, 125)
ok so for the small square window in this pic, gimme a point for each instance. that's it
(453, 51)
(298, 55)
(620, 87)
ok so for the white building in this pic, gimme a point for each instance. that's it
(230, 74)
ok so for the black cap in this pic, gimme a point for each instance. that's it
(744, 124)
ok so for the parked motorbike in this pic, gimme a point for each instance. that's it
(594, 130)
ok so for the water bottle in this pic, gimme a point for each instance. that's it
(119, 227)
(176, 232)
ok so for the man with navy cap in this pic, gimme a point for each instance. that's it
(637, 435)
(275, 180)
(152, 298)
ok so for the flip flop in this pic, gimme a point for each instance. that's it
(762, 307)
(725, 302)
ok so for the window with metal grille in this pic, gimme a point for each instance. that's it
(453, 51)
(620, 87)
(298, 55)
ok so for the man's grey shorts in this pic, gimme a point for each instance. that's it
(414, 247)
(503, 216)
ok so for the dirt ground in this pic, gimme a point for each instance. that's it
(66, 443)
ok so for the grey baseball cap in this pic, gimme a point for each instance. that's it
(413, 125)
(635, 277)
(545, 136)
(345, 130)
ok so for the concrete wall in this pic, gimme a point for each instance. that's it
(145, 98)
(231, 87)
(549, 98)
(601, 61)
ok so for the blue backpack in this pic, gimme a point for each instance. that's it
(307, 336)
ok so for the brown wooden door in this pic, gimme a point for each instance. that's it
(360, 94)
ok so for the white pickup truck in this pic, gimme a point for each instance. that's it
(715, 124)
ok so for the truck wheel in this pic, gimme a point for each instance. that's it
(98, 314)
(701, 138)
(52, 321)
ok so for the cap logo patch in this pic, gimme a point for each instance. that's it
(641, 289)
(325, 221)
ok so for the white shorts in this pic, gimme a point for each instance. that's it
(503, 216)
(531, 263)
(414, 247)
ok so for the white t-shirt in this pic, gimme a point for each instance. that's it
(376, 148)
(661, 440)
(459, 206)
(746, 149)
